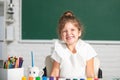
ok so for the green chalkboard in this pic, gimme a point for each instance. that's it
(101, 18)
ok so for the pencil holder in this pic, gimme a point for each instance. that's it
(11, 74)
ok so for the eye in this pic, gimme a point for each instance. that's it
(34, 72)
(72, 29)
(30, 72)
(64, 31)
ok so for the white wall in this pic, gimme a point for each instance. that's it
(108, 54)
(1, 8)
(108, 51)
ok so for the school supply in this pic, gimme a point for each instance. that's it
(13, 62)
(32, 57)
(24, 78)
(11, 74)
(58, 78)
(34, 71)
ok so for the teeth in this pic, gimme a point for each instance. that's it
(69, 37)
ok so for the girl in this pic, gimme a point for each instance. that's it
(72, 56)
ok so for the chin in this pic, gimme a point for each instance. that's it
(70, 42)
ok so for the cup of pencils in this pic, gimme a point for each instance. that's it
(13, 62)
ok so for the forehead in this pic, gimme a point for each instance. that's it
(69, 25)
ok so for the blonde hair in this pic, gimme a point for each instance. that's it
(68, 16)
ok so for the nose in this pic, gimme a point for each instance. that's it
(68, 32)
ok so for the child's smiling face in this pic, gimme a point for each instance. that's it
(70, 33)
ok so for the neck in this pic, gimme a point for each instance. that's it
(72, 48)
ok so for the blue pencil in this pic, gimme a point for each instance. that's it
(32, 59)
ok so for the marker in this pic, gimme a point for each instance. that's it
(37, 78)
(30, 78)
(17, 63)
(23, 78)
(51, 78)
(44, 78)
(89, 79)
(75, 79)
(95, 78)
(67, 79)
(20, 62)
(82, 79)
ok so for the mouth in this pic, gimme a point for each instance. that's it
(69, 37)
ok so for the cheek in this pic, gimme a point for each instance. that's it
(62, 35)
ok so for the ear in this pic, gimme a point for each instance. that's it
(79, 33)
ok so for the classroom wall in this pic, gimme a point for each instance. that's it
(1, 9)
(108, 52)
